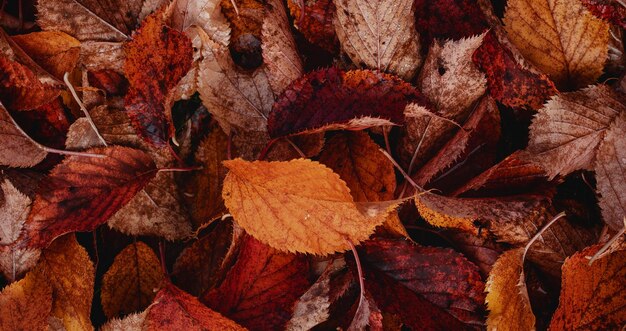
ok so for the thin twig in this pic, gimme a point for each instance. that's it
(82, 108)
(298, 150)
(359, 272)
(606, 246)
(406, 176)
(266, 149)
(235, 6)
(182, 169)
(539, 233)
(162, 258)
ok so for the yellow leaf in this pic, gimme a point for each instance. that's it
(560, 37)
(54, 51)
(25, 305)
(298, 206)
(130, 283)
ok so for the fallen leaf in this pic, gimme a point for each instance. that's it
(246, 19)
(156, 59)
(131, 322)
(205, 14)
(18, 149)
(379, 35)
(132, 281)
(356, 159)
(261, 288)
(314, 18)
(174, 309)
(609, 10)
(297, 206)
(25, 305)
(483, 252)
(563, 40)
(66, 266)
(54, 51)
(330, 99)
(592, 296)
(21, 88)
(83, 192)
(367, 315)
(448, 19)
(507, 295)
(565, 134)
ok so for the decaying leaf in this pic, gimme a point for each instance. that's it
(132, 281)
(205, 14)
(314, 18)
(448, 19)
(259, 291)
(298, 206)
(379, 34)
(54, 51)
(83, 192)
(592, 296)
(21, 89)
(25, 305)
(507, 295)
(559, 37)
(610, 10)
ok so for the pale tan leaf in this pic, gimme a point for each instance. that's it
(205, 14)
(25, 305)
(132, 281)
(560, 37)
(298, 206)
(507, 295)
(450, 79)
(81, 135)
(280, 54)
(610, 170)
(565, 134)
(132, 322)
(17, 149)
(15, 262)
(379, 34)
(14, 210)
(98, 55)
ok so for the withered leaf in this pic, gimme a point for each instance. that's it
(298, 206)
(21, 89)
(379, 35)
(54, 51)
(206, 14)
(329, 99)
(260, 290)
(314, 18)
(507, 295)
(246, 19)
(18, 150)
(448, 19)
(132, 281)
(66, 266)
(610, 10)
(131, 322)
(559, 37)
(592, 296)
(156, 59)
(25, 305)
(565, 133)
(83, 192)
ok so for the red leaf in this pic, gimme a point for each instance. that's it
(509, 82)
(448, 19)
(333, 99)
(315, 20)
(156, 59)
(111, 82)
(610, 10)
(20, 89)
(83, 192)
(260, 290)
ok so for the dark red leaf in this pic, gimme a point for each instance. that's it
(448, 19)
(109, 81)
(20, 89)
(610, 10)
(314, 18)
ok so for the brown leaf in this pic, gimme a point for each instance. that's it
(83, 192)
(610, 167)
(565, 133)
(132, 281)
(66, 266)
(314, 18)
(357, 160)
(559, 37)
(246, 20)
(507, 295)
(261, 288)
(54, 51)
(298, 206)
(131, 322)
(206, 14)
(25, 305)
(330, 99)
(156, 59)
(21, 89)
(592, 296)
(174, 309)
(360, 24)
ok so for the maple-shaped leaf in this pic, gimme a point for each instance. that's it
(156, 59)
(14, 209)
(131, 282)
(25, 305)
(314, 18)
(54, 51)
(448, 285)
(507, 295)
(610, 167)
(202, 265)
(510, 81)
(609, 10)
(92, 19)
(329, 99)
(83, 192)
(448, 19)
(379, 35)
(174, 309)
(565, 134)
(298, 206)
(261, 288)
(563, 40)
(66, 266)
(592, 296)
(355, 157)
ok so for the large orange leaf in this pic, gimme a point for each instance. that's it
(25, 305)
(298, 206)
(83, 192)
(260, 290)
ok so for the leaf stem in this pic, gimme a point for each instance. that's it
(162, 258)
(266, 149)
(539, 233)
(82, 108)
(406, 176)
(359, 270)
(608, 244)
(181, 169)
(298, 150)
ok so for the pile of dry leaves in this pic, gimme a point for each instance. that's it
(312, 164)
